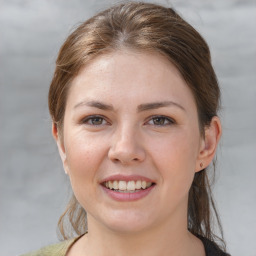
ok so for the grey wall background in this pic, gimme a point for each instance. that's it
(33, 187)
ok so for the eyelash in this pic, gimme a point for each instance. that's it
(165, 118)
(90, 118)
(152, 118)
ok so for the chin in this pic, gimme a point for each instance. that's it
(128, 222)
(127, 228)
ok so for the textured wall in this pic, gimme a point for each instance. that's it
(33, 187)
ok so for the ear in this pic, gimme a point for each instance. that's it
(209, 144)
(61, 147)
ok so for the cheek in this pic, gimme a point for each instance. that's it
(175, 159)
(178, 149)
(84, 157)
(84, 154)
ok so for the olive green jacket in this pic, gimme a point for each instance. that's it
(59, 249)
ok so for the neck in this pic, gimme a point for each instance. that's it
(164, 239)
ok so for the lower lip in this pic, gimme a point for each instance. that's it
(124, 197)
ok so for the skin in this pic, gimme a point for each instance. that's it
(126, 141)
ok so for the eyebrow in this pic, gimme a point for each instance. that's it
(156, 105)
(95, 104)
(140, 108)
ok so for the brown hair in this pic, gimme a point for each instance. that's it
(143, 27)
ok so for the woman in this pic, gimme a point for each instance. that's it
(134, 103)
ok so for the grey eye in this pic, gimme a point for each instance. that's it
(94, 120)
(161, 121)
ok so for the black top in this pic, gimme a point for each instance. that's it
(212, 249)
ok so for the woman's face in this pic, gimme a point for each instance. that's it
(131, 121)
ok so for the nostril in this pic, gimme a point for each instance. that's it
(125, 160)
(126, 154)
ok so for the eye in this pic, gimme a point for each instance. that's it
(94, 120)
(161, 121)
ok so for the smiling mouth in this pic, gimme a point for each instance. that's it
(127, 186)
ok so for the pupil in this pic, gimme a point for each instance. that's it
(159, 121)
(97, 120)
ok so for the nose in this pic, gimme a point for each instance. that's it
(126, 147)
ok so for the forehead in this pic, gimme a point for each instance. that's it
(127, 61)
(142, 76)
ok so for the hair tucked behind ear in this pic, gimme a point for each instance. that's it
(148, 28)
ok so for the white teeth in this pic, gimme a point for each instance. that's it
(138, 184)
(122, 185)
(131, 185)
(115, 184)
(148, 184)
(128, 186)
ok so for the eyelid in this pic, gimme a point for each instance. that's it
(170, 120)
(87, 118)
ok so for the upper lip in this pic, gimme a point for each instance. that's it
(126, 178)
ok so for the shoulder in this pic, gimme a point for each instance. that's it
(211, 248)
(59, 249)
